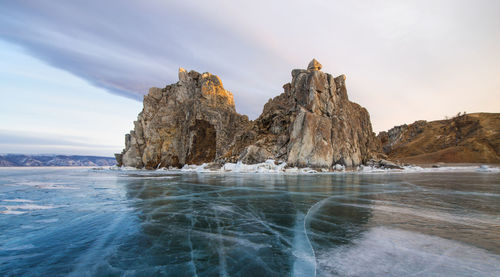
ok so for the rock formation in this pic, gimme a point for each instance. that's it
(467, 138)
(190, 122)
(311, 124)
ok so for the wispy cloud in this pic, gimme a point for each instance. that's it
(127, 46)
(20, 142)
(397, 54)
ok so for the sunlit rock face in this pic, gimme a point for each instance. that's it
(190, 122)
(311, 124)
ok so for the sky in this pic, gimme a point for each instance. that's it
(73, 73)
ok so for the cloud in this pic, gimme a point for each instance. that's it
(41, 143)
(405, 60)
(127, 47)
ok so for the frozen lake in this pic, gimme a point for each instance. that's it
(87, 222)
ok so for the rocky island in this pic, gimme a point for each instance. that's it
(194, 121)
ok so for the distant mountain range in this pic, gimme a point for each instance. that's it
(54, 160)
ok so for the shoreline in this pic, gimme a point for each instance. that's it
(269, 167)
(444, 164)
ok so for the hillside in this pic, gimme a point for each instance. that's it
(54, 160)
(470, 138)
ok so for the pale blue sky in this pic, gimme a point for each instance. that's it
(48, 110)
(72, 73)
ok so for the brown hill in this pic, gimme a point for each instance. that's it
(468, 138)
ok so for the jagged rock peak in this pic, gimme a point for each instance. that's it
(194, 121)
(182, 74)
(209, 85)
(314, 65)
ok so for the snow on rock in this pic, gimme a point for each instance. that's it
(270, 166)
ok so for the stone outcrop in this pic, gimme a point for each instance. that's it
(465, 138)
(311, 124)
(190, 122)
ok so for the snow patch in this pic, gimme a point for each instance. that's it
(270, 166)
(338, 167)
(418, 169)
(196, 168)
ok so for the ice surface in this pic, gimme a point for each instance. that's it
(17, 200)
(304, 259)
(9, 211)
(236, 223)
(392, 252)
(17, 248)
(486, 168)
(50, 220)
(21, 209)
(43, 185)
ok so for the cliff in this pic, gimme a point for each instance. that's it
(311, 124)
(468, 138)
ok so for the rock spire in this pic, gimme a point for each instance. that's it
(311, 124)
(314, 65)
